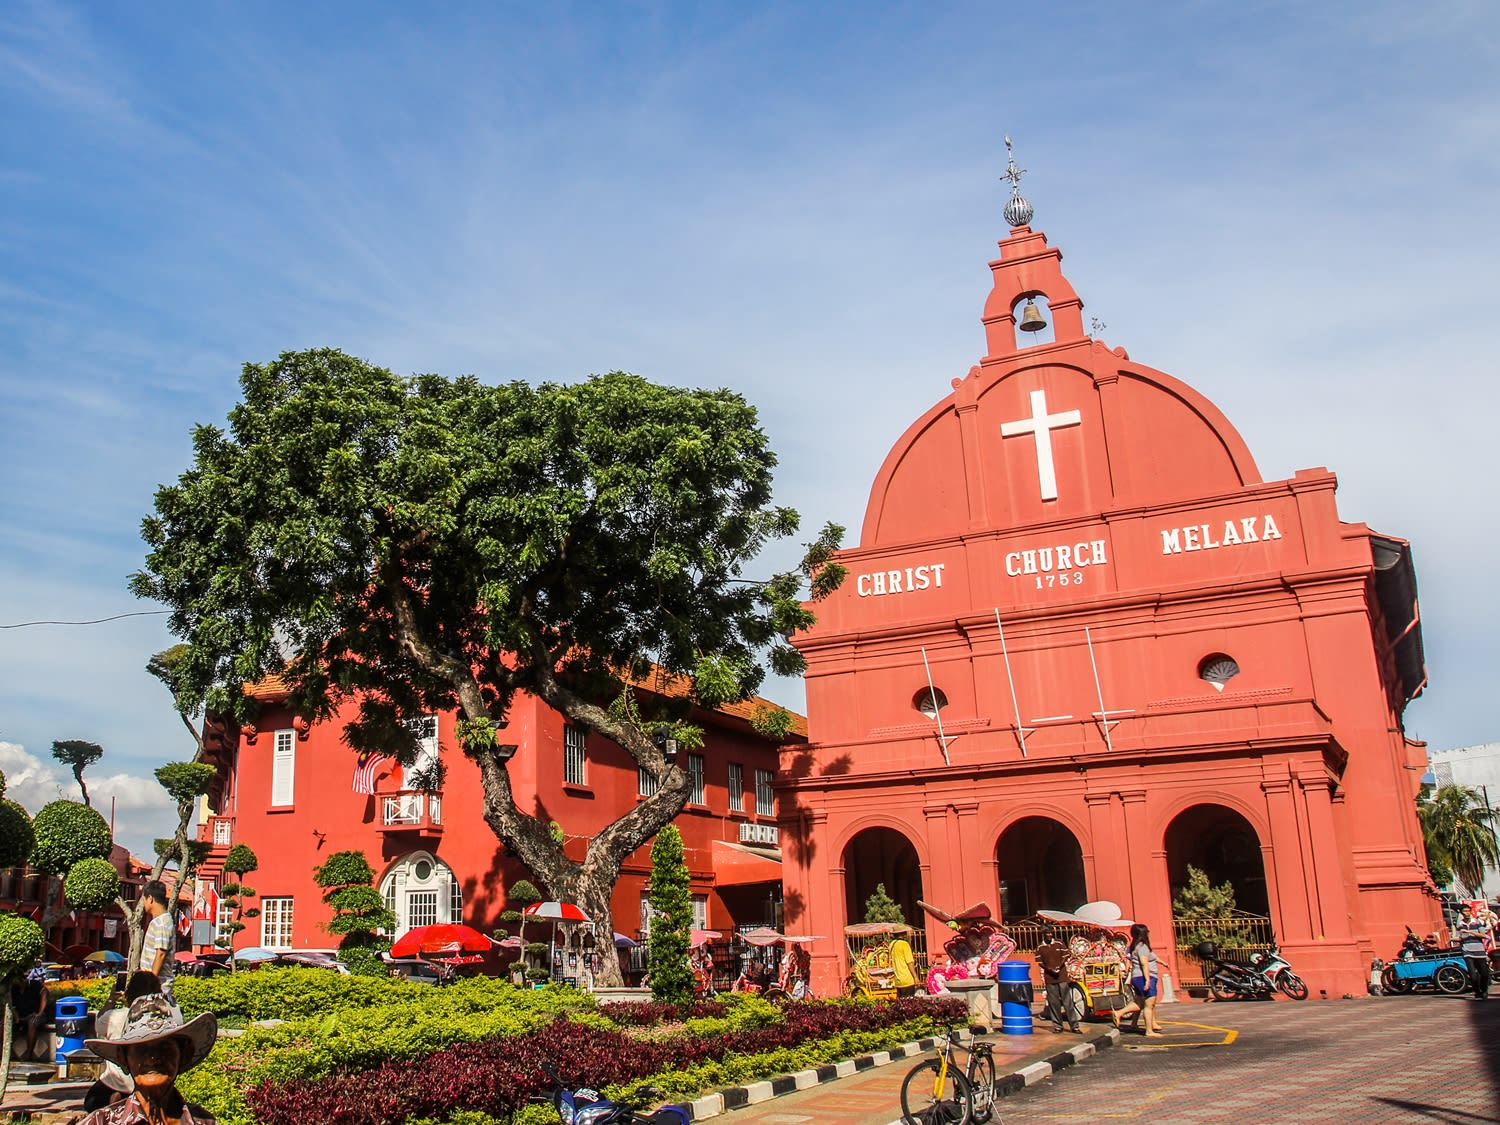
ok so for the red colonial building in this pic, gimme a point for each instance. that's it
(1083, 645)
(286, 790)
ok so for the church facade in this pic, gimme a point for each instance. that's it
(1083, 646)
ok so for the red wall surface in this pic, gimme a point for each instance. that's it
(326, 816)
(1067, 618)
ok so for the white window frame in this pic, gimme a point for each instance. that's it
(455, 900)
(276, 914)
(575, 755)
(223, 916)
(736, 787)
(283, 768)
(695, 769)
(646, 914)
(700, 912)
(765, 796)
(645, 782)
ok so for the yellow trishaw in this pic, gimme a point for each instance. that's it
(871, 972)
(1096, 938)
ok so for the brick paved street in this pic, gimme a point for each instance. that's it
(1394, 1059)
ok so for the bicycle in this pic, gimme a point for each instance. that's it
(937, 1092)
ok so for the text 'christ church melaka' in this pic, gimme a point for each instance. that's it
(1083, 646)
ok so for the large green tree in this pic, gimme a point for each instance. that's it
(1459, 831)
(420, 544)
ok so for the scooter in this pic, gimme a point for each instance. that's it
(1266, 973)
(1276, 969)
(585, 1106)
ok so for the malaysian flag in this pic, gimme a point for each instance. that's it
(365, 769)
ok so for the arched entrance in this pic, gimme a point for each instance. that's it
(1041, 868)
(881, 856)
(1223, 845)
(420, 890)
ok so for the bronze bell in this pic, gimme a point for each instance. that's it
(1031, 318)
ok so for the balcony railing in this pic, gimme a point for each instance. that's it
(411, 811)
(218, 831)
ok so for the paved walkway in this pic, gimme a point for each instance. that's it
(872, 1095)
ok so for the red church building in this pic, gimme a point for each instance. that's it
(1083, 645)
(291, 792)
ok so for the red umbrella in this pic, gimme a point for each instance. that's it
(554, 912)
(441, 938)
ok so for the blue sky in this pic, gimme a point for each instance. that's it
(1292, 207)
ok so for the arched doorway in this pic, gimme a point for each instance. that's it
(420, 890)
(1041, 868)
(1223, 845)
(882, 856)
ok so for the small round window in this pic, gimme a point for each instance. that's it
(421, 871)
(1218, 670)
(929, 701)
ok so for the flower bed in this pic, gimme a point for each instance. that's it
(394, 1064)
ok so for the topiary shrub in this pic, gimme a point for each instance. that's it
(21, 945)
(16, 835)
(241, 860)
(671, 919)
(185, 782)
(91, 884)
(524, 892)
(67, 832)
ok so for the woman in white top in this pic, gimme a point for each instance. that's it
(1144, 980)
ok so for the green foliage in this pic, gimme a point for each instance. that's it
(555, 831)
(197, 850)
(350, 530)
(363, 961)
(512, 917)
(67, 832)
(775, 723)
(336, 1022)
(671, 919)
(1213, 909)
(21, 945)
(344, 869)
(77, 754)
(523, 892)
(91, 884)
(881, 907)
(17, 839)
(358, 909)
(241, 861)
(1458, 830)
(185, 782)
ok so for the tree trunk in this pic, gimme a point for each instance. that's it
(6, 1040)
(589, 884)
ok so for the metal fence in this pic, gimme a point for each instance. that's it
(1236, 938)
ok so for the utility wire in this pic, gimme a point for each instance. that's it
(96, 621)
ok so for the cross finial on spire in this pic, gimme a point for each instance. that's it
(1012, 173)
(1017, 212)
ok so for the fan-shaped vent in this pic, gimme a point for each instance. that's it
(1218, 670)
(929, 701)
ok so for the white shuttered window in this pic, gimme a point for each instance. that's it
(283, 767)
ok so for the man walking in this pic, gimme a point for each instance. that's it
(161, 939)
(1475, 936)
(1052, 956)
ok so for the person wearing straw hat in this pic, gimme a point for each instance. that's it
(154, 1047)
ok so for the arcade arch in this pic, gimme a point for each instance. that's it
(1222, 844)
(881, 855)
(1040, 866)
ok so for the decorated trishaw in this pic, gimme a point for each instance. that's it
(1098, 966)
(791, 980)
(872, 973)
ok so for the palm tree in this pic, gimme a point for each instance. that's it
(1459, 830)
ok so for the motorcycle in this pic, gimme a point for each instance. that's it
(1266, 973)
(585, 1106)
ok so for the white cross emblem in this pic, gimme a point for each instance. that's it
(1042, 424)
